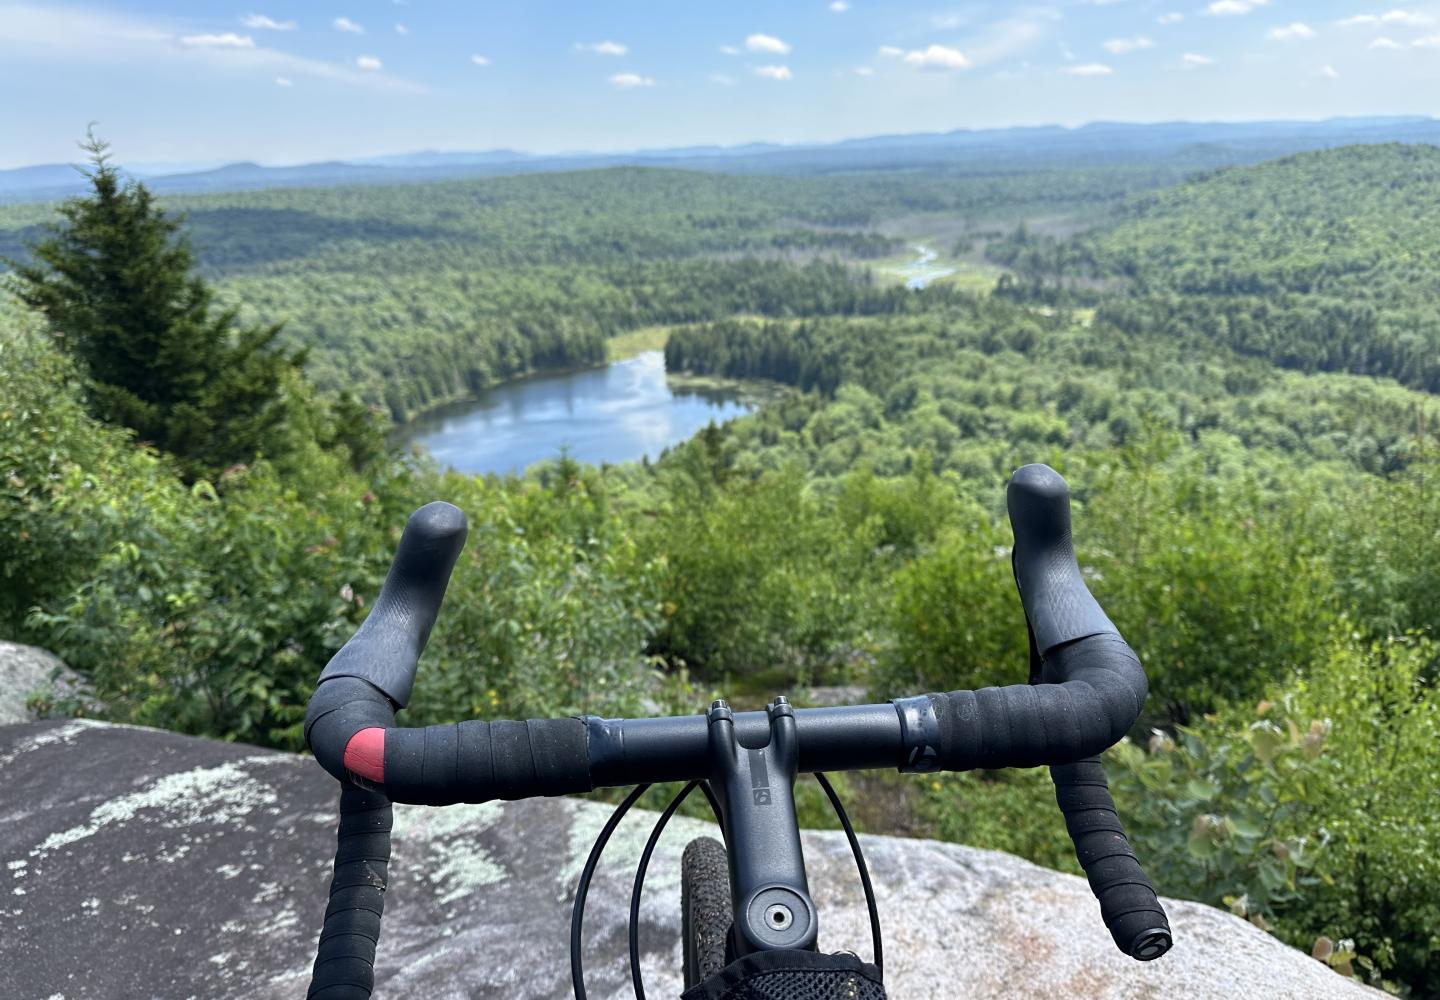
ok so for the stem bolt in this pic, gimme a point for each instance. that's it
(778, 916)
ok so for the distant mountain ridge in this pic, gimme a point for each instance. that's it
(1207, 144)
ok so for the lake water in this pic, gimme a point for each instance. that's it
(618, 413)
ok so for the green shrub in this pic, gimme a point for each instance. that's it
(1222, 588)
(955, 618)
(1315, 815)
(211, 609)
(1012, 811)
(548, 610)
(758, 580)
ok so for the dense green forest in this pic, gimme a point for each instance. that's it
(412, 296)
(1318, 262)
(1262, 530)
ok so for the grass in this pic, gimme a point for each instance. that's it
(652, 338)
(977, 279)
(633, 342)
(969, 273)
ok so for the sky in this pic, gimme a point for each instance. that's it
(290, 81)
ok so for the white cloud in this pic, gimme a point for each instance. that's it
(479, 60)
(1329, 72)
(345, 24)
(283, 81)
(1384, 43)
(839, 6)
(400, 29)
(1173, 17)
(767, 43)
(262, 23)
(368, 63)
(1194, 60)
(1089, 69)
(729, 50)
(103, 38)
(864, 70)
(228, 40)
(723, 80)
(773, 72)
(1225, 8)
(1294, 31)
(1009, 36)
(626, 81)
(1410, 19)
(891, 52)
(1120, 46)
(606, 48)
(1429, 42)
(89, 33)
(938, 57)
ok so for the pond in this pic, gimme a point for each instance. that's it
(620, 413)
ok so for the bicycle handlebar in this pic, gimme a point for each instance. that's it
(1086, 689)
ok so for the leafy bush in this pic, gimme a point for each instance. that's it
(1314, 816)
(1012, 811)
(757, 579)
(214, 616)
(955, 617)
(211, 609)
(549, 607)
(1221, 587)
(65, 481)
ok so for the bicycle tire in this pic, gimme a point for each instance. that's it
(704, 908)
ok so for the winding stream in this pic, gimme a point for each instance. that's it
(922, 271)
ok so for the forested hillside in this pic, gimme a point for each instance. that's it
(1253, 489)
(416, 295)
(1323, 261)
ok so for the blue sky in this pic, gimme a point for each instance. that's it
(284, 81)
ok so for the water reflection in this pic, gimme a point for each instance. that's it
(614, 414)
(922, 271)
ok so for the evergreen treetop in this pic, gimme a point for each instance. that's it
(115, 282)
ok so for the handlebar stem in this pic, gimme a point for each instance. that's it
(756, 788)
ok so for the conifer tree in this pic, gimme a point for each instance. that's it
(115, 280)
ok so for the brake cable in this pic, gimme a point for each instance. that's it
(860, 864)
(635, 975)
(577, 913)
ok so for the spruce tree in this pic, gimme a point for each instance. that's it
(115, 279)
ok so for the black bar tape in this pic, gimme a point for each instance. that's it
(480, 761)
(345, 963)
(1128, 903)
(461, 762)
(1093, 692)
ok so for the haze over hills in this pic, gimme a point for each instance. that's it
(1195, 144)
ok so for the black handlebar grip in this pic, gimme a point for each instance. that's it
(469, 761)
(479, 761)
(386, 647)
(345, 963)
(1058, 606)
(1128, 903)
